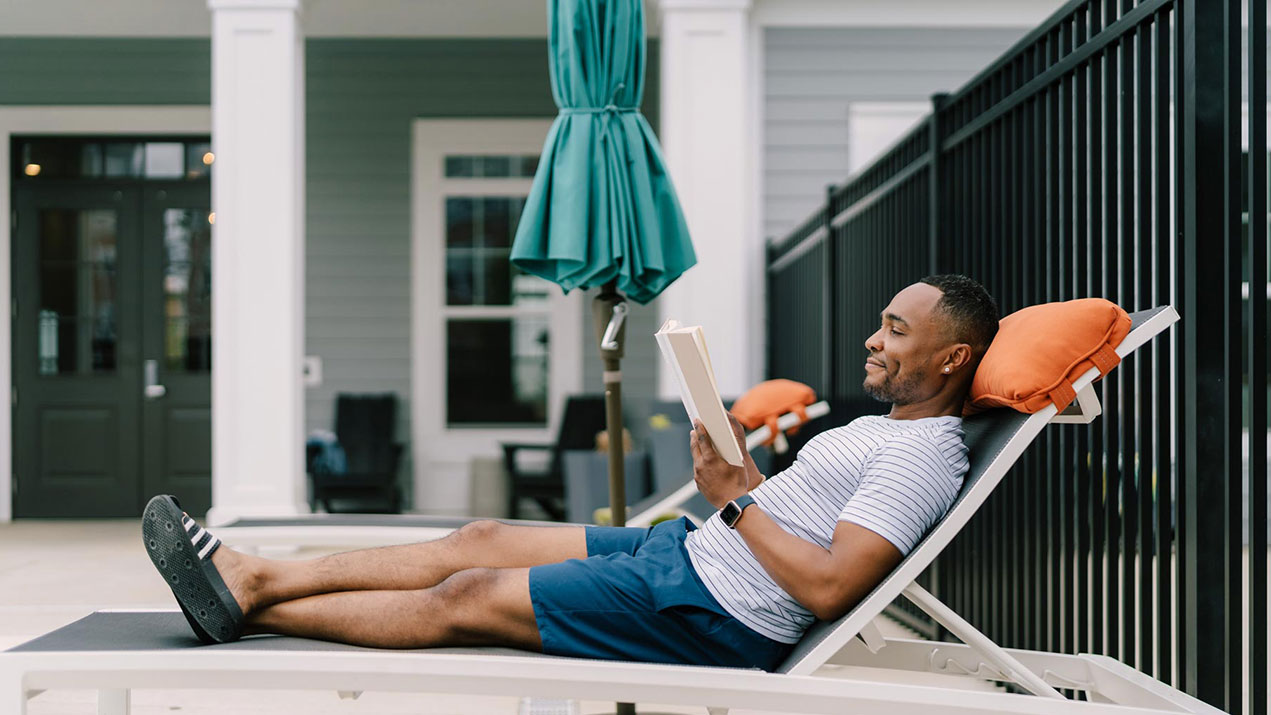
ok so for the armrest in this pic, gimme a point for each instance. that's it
(514, 446)
(511, 448)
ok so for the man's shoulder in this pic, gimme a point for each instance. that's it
(938, 438)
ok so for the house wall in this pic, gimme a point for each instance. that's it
(813, 77)
(361, 96)
(39, 70)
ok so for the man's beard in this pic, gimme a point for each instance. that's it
(893, 391)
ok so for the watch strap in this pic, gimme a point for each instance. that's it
(739, 504)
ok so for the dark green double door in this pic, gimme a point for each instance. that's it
(111, 347)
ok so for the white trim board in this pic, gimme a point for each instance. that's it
(133, 119)
(440, 453)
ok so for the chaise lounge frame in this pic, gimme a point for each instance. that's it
(115, 652)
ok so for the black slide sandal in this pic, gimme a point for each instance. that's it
(182, 552)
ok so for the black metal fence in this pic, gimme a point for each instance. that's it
(1100, 156)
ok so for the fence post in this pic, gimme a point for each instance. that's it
(830, 285)
(935, 203)
(1209, 416)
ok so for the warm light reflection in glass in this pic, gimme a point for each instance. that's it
(32, 170)
(211, 218)
(208, 158)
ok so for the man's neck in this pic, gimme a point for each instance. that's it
(936, 406)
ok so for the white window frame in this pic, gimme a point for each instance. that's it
(441, 452)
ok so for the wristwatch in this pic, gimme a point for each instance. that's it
(731, 512)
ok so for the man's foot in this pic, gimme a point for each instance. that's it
(182, 552)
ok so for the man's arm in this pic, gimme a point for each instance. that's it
(828, 582)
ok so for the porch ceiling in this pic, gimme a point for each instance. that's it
(481, 18)
(321, 18)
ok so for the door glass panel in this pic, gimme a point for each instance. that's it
(497, 371)
(77, 331)
(187, 290)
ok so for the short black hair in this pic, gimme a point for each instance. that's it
(972, 313)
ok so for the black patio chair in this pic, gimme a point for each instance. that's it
(584, 417)
(364, 427)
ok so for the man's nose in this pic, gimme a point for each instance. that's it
(872, 343)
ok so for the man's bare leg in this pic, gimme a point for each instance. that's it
(258, 583)
(472, 607)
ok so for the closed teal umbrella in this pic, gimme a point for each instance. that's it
(602, 207)
(602, 211)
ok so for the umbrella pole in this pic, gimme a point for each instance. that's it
(609, 312)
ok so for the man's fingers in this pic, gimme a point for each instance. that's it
(738, 430)
(703, 437)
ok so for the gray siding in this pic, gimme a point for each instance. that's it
(37, 70)
(361, 96)
(811, 78)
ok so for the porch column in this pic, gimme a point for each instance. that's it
(258, 258)
(705, 129)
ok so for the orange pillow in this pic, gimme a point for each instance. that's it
(765, 402)
(1039, 351)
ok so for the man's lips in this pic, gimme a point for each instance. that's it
(871, 362)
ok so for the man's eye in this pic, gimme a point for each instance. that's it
(896, 332)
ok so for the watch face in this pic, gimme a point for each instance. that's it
(729, 514)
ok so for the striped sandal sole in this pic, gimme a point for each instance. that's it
(170, 537)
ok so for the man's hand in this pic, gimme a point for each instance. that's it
(717, 480)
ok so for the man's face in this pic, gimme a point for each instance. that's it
(903, 366)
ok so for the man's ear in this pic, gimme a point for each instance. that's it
(959, 357)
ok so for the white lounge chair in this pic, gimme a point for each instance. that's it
(364, 530)
(115, 652)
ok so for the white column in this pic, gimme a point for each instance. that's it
(257, 258)
(705, 128)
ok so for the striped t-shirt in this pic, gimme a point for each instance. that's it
(893, 477)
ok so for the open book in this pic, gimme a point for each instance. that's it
(684, 348)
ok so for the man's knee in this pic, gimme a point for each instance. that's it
(480, 532)
(470, 602)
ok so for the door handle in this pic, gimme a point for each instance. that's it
(153, 389)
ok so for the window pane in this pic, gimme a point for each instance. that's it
(459, 166)
(492, 166)
(495, 166)
(529, 290)
(165, 160)
(459, 221)
(43, 158)
(496, 279)
(123, 159)
(198, 160)
(459, 278)
(499, 221)
(77, 289)
(187, 289)
(497, 371)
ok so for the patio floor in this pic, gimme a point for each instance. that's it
(54, 572)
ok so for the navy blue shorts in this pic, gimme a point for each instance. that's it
(637, 597)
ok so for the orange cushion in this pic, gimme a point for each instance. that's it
(1041, 350)
(765, 402)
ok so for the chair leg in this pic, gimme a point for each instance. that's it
(13, 694)
(979, 642)
(113, 701)
(513, 498)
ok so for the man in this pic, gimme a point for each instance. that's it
(807, 544)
